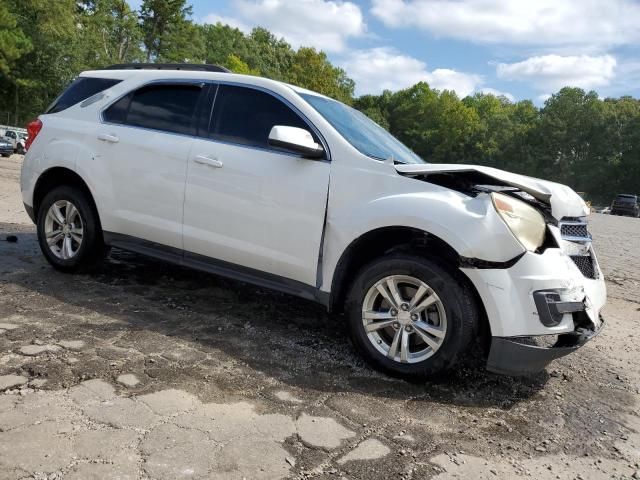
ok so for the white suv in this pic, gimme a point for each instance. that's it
(278, 186)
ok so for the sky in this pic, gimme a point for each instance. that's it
(523, 49)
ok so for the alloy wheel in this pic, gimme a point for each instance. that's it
(404, 319)
(63, 229)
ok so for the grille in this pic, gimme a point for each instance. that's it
(585, 265)
(574, 230)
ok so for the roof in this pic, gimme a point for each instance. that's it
(188, 70)
(192, 67)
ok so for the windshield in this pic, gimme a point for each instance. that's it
(361, 132)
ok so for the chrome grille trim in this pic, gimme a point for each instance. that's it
(576, 241)
(574, 230)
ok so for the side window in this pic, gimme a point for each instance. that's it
(80, 89)
(246, 115)
(169, 108)
(10, 134)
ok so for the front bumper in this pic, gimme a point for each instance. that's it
(6, 150)
(543, 295)
(514, 356)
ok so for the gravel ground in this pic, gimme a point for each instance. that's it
(147, 370)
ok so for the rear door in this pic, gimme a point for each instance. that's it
(249, 203)
(144, 142)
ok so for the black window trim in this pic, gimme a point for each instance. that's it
(277, 96)
(170, 82)
(203, 102)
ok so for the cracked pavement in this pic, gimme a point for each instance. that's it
(144, 370)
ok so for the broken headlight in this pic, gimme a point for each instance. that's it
(526, 223)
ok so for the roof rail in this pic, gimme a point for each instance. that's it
(195, 67)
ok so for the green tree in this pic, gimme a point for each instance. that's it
(569, 125)
(221, 41)
(311, 69)
(163, 24)
(271, 56)
(436, 125)
(236, 65)
(112, 28)
(376, 107)
(183, 44)
(40, 73)
(13, 42)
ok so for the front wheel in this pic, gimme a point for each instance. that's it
(411, 317)
(69, 231)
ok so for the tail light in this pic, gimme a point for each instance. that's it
(33, 129)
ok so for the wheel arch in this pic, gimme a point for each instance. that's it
(380, 241)
(56, 177)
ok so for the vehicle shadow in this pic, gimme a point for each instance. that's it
(289, 339)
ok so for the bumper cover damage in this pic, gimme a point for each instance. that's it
(519, 356)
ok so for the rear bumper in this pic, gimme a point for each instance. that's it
(511, 356)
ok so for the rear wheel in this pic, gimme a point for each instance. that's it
(69, 231)
(410, 317)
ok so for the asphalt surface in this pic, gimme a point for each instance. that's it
(147, 370)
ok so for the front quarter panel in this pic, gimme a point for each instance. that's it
(373, 195)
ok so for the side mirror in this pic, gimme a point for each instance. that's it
(295, 139)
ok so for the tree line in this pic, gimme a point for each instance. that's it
(576, 138)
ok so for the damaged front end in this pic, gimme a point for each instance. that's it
(559, 200)
(546, 302)
(527, 355)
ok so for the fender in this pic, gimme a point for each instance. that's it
(470, 226)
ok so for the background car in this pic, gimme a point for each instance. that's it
(6, 148)
(626, 204)
(13, 136)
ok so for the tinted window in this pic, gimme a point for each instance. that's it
(246, 116)
(169, 108)
(117, 113)
(80, 89)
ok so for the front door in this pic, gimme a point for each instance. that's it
(251, 204)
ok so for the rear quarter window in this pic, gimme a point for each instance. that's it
(80, 89)
(165, 107)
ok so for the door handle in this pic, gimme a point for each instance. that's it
(208, 161)
(105, 137)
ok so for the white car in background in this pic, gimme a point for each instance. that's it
(278, 186)
(16, 138)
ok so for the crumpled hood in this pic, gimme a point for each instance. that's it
(563, 200)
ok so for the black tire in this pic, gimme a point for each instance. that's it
(459, 305)
(92, 250)
(20, 150)
(6, 154)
